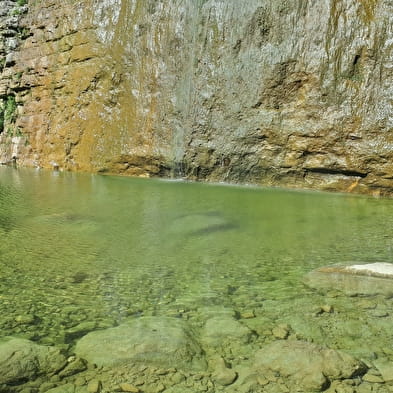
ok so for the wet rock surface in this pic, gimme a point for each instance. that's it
(295, 94)
(367, 279)
(332, 343)
(311, 367)
(22, 360)
(161, 341)
(221, 330)
(131, 358)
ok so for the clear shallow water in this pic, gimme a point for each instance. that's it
(81, 252)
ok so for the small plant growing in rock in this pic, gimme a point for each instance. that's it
(23, 32)
(10, 110)
(21, 2)
(18, 132)
(18, 76)
(8, 115)
(16, 12)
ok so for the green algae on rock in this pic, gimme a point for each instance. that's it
(156, 340)
(310, 366)
(22, 360)
(133, 259)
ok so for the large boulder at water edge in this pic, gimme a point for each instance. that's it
(166, 342)
(22, 360)
(355, 279)
(309, 366)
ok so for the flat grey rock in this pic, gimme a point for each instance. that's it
(353, 279)
(162, 341)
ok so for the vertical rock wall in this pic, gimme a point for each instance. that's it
(12, 33)
(294, 93)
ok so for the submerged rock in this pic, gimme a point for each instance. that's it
(22, 360)
(222, 374)
(166, 342)
(359, 279)
(67, 388)
(385, 368)
(202, 224)
(310, 366)
(223, 329)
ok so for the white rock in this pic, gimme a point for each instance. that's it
(379, 268)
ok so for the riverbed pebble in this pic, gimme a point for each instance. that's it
(127, 387)
(94, 386)
(248, 314)
(222, 374)
(327, 308)
(281, 331)
(75, 366)
(26, 319)
(369, 377)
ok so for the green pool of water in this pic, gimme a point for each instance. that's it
(83, 252)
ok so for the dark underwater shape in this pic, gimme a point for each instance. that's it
(214, 228)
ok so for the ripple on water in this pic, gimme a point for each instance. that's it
(80, 253)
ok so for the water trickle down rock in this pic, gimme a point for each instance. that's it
(290, 93)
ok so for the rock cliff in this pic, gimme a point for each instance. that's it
(293, 93)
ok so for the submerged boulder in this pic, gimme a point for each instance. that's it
(201, 224)
(357, 279)
(166, 342)
(22, 360)
(224, 329)
(311, 367)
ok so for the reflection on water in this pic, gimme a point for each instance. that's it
(84, 252)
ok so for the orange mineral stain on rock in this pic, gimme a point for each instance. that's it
(261, 94)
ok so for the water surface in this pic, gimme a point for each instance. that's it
(81, 252)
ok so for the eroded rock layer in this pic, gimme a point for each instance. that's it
(276, 93)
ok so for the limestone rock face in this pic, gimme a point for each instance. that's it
(311, 367)
(154, 340)
(358, 279)
(291, 93)
(24, 360)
